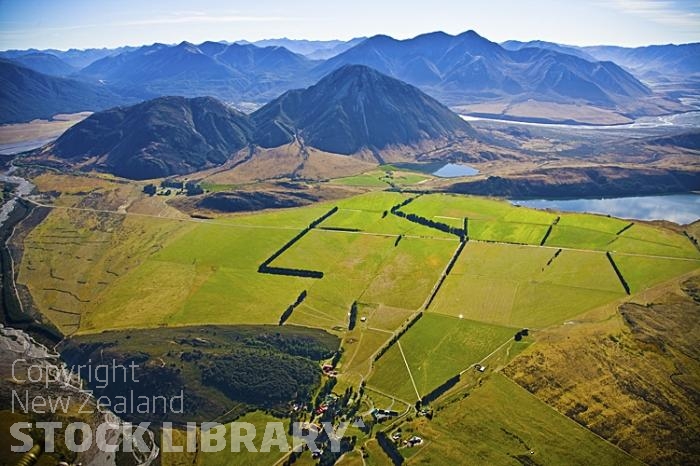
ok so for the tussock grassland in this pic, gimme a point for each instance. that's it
(635, 381)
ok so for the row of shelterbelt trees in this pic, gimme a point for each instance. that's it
(444, 227)
(266, 268)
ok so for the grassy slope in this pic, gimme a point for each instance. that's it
(226, 457)
(500, 423)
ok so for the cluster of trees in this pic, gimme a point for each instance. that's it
(438, 391)
(506, 242)
(352, 321)
(396, 336)
(549, 230)
(390, 448)
(193, 189)
(520, 334)
(290, 272)
(265, 266)
(304, 346)
(288, 312)
(325, 390)
(619, 274)
(150, 189)
(172, 184)
(261, 377)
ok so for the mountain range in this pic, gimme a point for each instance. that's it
(231, 72)
(469, 68)
(654, 60)
(313, 49)
(644, 62)
(354, 108)
(26, 94)
(458, 70)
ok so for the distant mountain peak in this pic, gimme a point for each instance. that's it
(353, 70)
(356, 107)
(381, 39)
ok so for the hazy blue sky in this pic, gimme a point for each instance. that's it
(105, 23)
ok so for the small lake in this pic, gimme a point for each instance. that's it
(678, 208)
(440, 169)
(453, 170)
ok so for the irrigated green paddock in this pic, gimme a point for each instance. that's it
(641, 272)
(409, 273)
(492, 230)
(390, 376)
(579, 238)
(373, 221)
(526, 286)
(436, 348)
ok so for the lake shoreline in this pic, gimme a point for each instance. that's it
(682, 209)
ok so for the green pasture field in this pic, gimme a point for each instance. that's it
(531, 293)
(381, 178)
(451, 205)
(377, 201)
(391, 377)
(437, 347)
(367, 269)
(373, 221)
(74, 257)
(579, 238)
(359, 347)
(644, 239)
(409, 274)
(581, 269)
(593, 222)
(383, 317)
(370, 180)
(507, 232)
(641, 272)
(292, 218)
